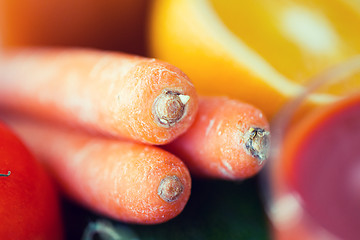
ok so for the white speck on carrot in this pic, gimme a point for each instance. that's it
(218, 128)
(226, 169)
(184, 98)
(211, 123)
(227, 165)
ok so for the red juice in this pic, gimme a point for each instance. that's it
(322, 164)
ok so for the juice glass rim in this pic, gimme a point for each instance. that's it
(279, 124)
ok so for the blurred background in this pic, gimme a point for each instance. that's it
(111, 24)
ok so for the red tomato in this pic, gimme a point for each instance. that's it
(29, 204)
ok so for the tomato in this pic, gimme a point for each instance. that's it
(29, 203)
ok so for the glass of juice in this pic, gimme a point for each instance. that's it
(312, 180)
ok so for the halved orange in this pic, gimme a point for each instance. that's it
(263, 52)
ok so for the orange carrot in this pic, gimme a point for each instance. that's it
(112, 93)
(124, 180)
(228, 140)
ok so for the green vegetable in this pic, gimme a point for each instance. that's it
(217, 210)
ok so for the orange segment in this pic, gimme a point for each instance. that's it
(310, 39)
(262, 52)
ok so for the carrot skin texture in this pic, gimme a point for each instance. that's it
(119, 179)
(107, 92)
(215, 145)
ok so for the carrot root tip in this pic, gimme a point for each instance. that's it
(169, 108)
(257, 143)
(170, 188)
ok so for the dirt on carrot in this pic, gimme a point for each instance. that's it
(112, 93)
(123, 180)
(228, 140)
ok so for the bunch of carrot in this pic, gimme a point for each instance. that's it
(96, 120)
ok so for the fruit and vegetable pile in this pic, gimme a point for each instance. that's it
(139, 119)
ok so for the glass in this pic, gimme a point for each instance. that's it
(313, 205)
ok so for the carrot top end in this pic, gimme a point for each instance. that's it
(169, 108)
(257, 143)
(170, 188)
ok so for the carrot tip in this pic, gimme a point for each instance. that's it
(169, 108)
(170, 188)
(257, 143)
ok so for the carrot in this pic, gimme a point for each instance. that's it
(228, 140)
(112, 93)
(124, 180)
